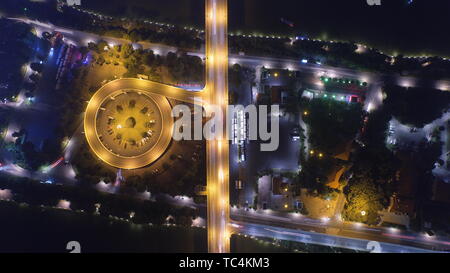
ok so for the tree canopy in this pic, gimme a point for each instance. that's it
(331, 123)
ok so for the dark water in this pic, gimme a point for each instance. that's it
(422, 27)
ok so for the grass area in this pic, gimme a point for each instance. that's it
(317, 207)
(332, 124)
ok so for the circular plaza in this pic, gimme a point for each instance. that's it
(128, 129)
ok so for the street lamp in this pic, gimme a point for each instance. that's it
(363, 212)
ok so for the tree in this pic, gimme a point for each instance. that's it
(372, 177)
(364, 200)
(101, 46)
(332, 124)
(19, 134)
(316, 171)
(136, 36)
(149, 58)
(93, 47)
(185, 221)
(127, 50)
(235, 75)
(100, 60)
(84, 50)
(166, 166)
(30, 86)
(133, 180)
(233, 97)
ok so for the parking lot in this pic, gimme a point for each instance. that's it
(285, 158)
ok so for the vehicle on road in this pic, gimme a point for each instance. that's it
(295, 134)
(48, 181)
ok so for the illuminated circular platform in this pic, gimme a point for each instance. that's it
(128, 129)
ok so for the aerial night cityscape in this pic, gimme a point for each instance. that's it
(244, 131)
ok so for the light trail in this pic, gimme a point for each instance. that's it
(217, 150)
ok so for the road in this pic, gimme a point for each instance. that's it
(217, 150)
(331, 228)
(289, 234)
(112, 90)
(80, 38)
